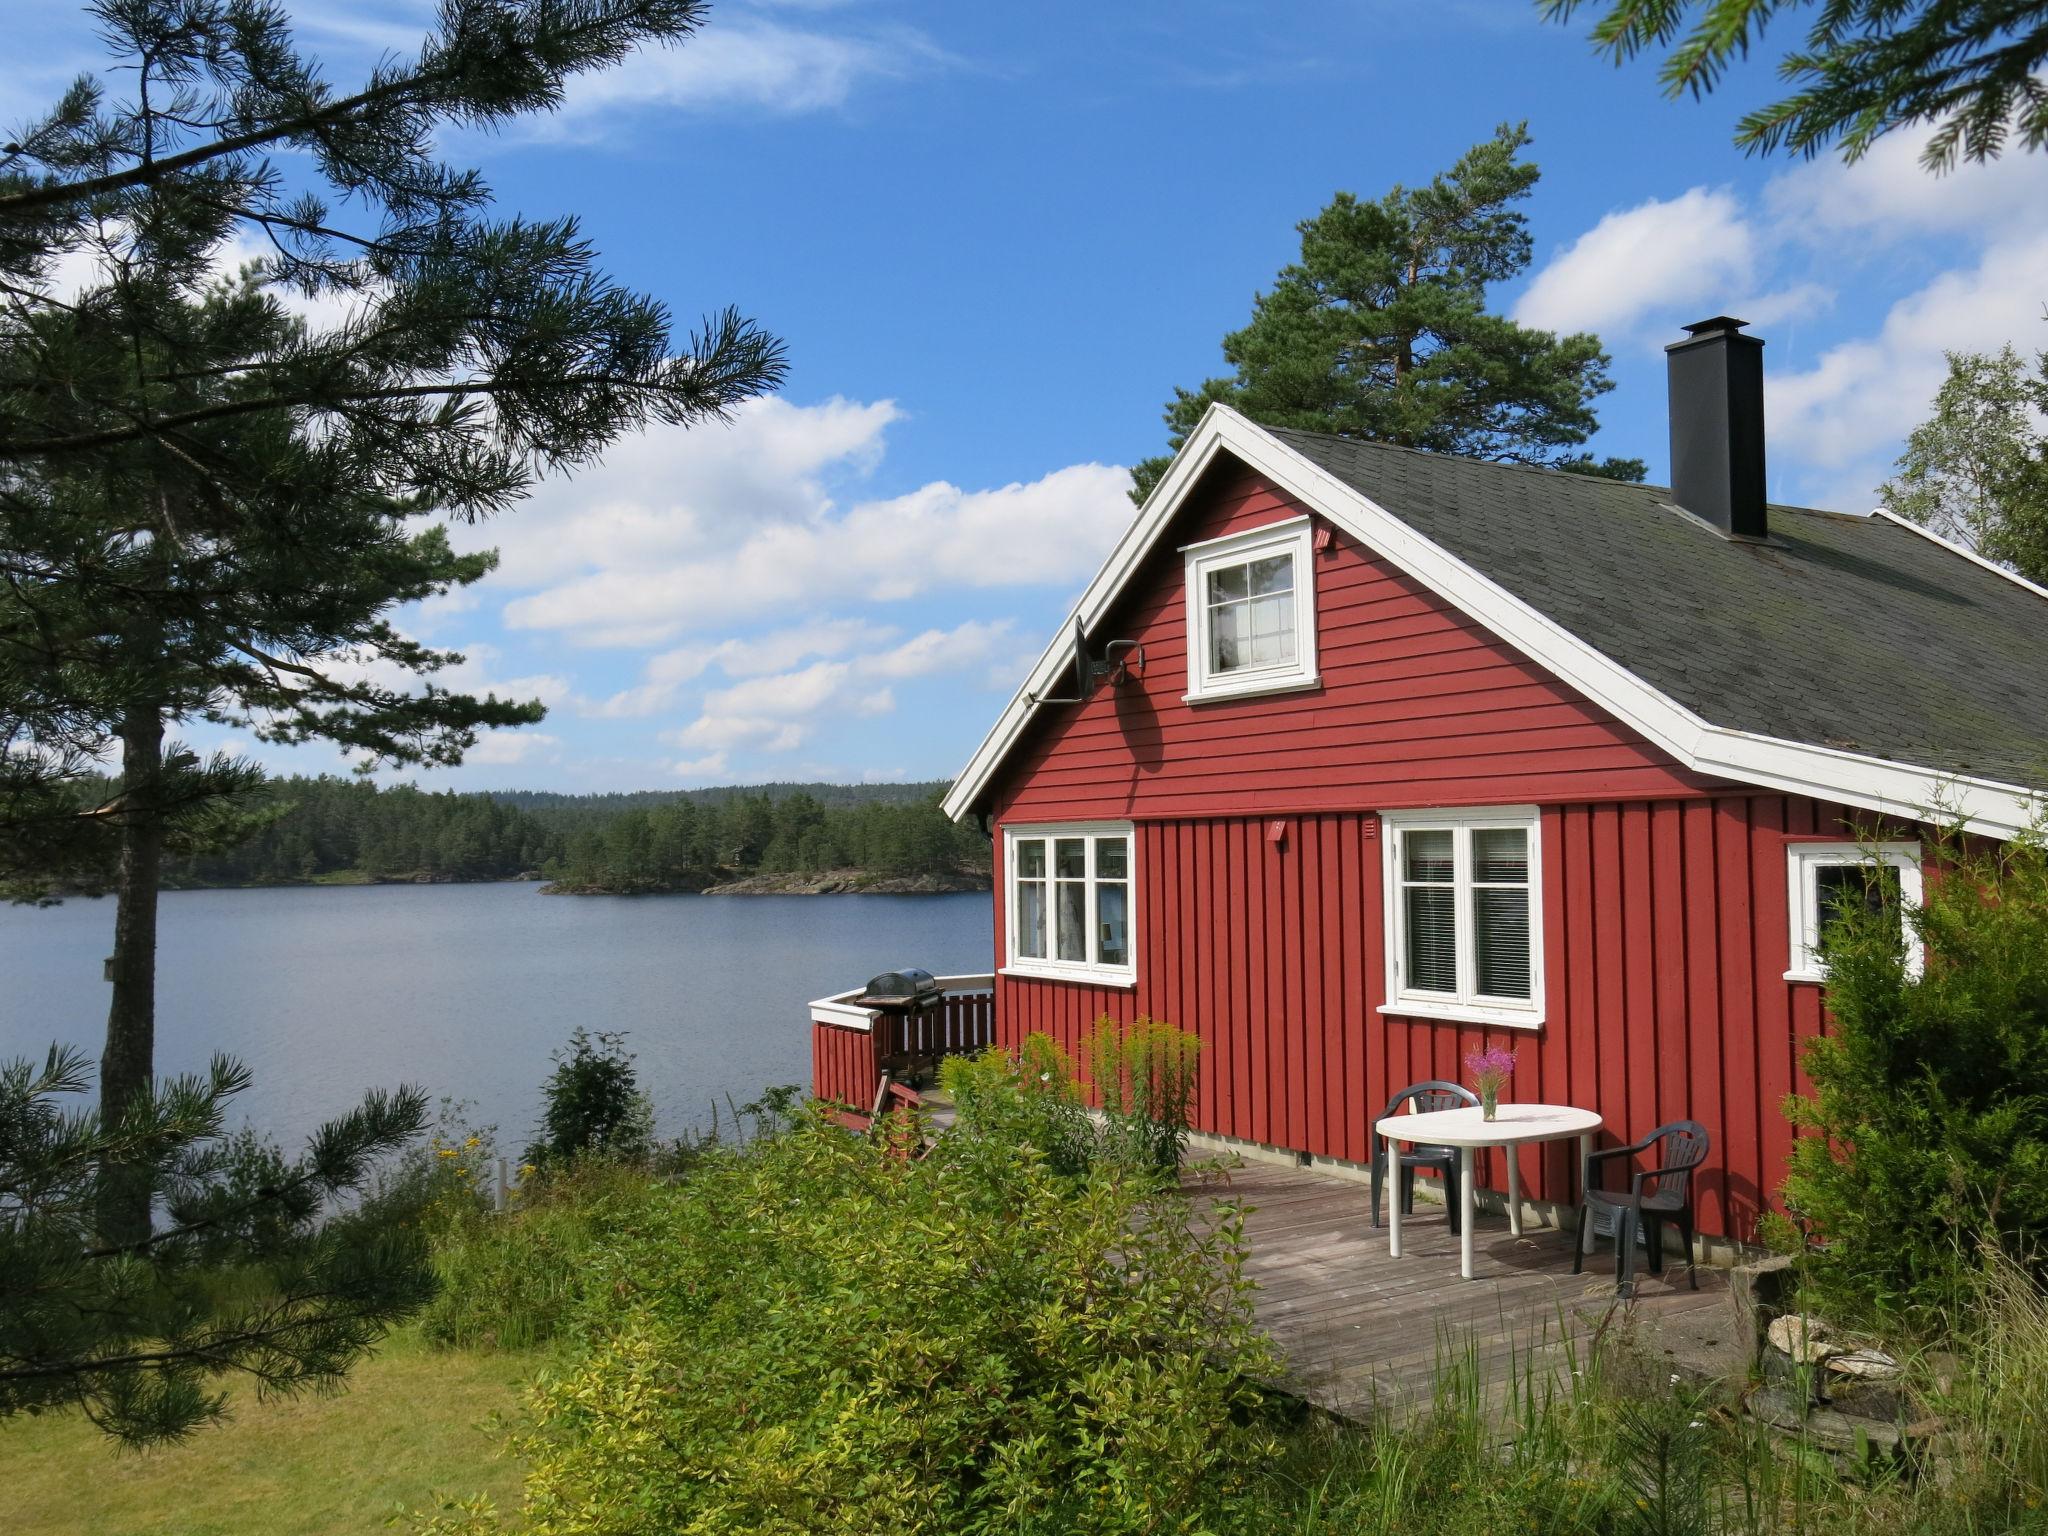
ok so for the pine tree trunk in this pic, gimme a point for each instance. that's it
(129, 1058)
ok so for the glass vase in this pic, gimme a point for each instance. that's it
(1489, 1103)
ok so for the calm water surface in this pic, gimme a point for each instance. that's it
(466, 989)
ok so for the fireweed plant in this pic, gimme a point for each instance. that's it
(1490, 1070)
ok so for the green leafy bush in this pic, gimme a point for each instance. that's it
(1929, 1115)
(1029, 1100)
(814, 1335)
(592, 1103)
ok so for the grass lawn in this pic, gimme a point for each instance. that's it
(406, 1428)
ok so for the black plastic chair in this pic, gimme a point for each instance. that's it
(1668, 1197)
(1427, 1097)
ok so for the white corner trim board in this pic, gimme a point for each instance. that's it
(1896, 789)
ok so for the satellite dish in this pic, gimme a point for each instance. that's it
(1115, 667)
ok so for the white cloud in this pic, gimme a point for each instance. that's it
(711, 765)
(504, 749)
(1848, 413)
(1051, 531)
(762, 65)
(667, 496)
(1886, 193)
(776, 712)
(665, 675)
(1683, 252)
(960, 649)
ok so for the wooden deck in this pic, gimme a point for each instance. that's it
(1364, 1333)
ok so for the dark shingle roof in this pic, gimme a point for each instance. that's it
(1847, 632)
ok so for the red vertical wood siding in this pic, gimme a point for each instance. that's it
(1418, 706)
(1663, 894)
(1664, 935)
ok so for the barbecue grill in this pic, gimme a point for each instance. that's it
(906, 991)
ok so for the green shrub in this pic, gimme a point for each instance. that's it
(1144, 1077)
(593, 1103)
(814, 1335)
(1007, 1102)
(1929, 1115)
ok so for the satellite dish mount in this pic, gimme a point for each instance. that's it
(1120, 661)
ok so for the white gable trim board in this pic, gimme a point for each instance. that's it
(1896, 789)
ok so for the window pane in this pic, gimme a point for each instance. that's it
(1432, 938)
(1272, 626)
(1112, 904)
(1031, 919)
(1031, 860)
(1500, 939)
(1073, 919)
(1273, 574)
(1112, 859)
(1845, 889)
(1225, 650)
(1070, 857)
(1427, 855)
(1501, 853)
(1227, 583)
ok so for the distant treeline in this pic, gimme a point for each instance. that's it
(341, 829)
(687, 844)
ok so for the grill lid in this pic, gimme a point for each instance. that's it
(905, 988)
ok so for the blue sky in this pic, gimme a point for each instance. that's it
(995, 238)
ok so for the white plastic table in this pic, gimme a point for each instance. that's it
(1468, 1128)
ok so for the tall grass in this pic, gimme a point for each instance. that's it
(513, 1281)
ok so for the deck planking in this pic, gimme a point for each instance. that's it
(1366, 1334)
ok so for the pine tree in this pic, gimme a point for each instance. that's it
(208, 506)
(250, 1273)
(1381, 332)
(1972, 67)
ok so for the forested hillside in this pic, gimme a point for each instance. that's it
(343, 830)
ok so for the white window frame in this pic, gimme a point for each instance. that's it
(1802, 891)
(1292, 536)
(1049, 967)
(1468, 1005)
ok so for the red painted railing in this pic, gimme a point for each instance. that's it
(851, 1045)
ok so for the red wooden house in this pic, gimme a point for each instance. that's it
(1398, 753)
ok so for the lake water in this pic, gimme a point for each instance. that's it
(467, 989)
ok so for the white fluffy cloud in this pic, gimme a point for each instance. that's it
(1863, 396)
(749, 63)
(777, 712)
(667, 495)
(1688, 250)
(1836, 423)
(1052, 530)
(509, 749)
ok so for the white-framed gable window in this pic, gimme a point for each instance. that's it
(1464, 915)
(1251, 601)
(1823, 879)
(1071, 902)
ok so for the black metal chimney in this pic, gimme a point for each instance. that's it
(1717, 426)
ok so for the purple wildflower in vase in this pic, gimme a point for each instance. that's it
(1489, 1070)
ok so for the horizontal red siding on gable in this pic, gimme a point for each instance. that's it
(1418, 706)
(1665, 938)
